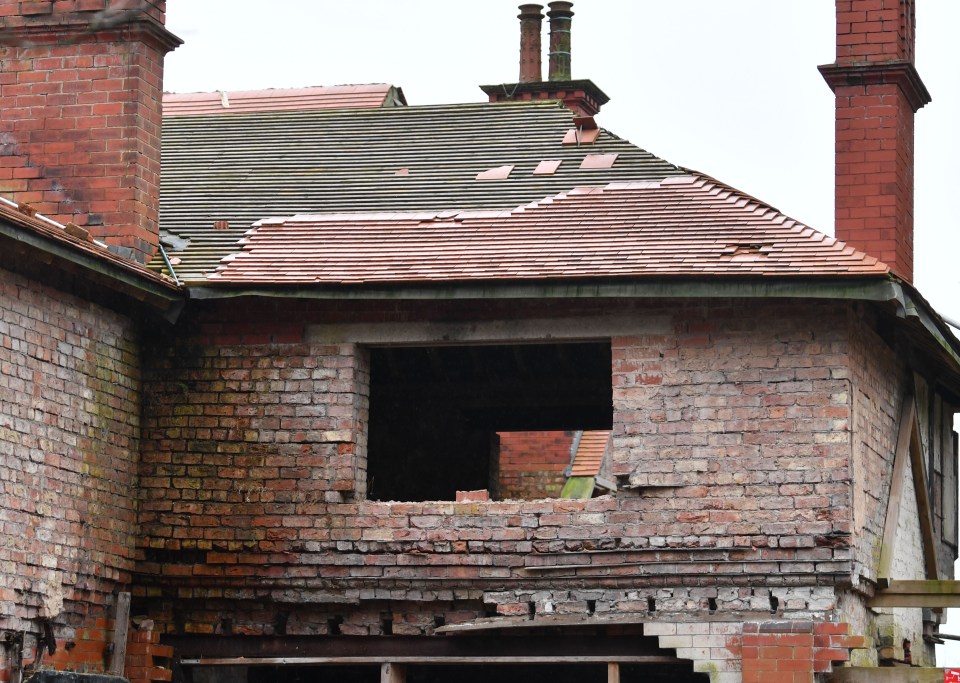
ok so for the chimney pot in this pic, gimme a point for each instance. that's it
(531, 26)
(561, 18)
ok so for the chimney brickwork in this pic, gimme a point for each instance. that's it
(582, 96)
(80, 89)
(878, 91)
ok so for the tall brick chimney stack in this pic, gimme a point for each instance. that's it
(878, 92)
(582, 96)
(531, 27)
(561, 19)
(80, 91)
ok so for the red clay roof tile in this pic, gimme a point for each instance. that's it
(588, 459)
(689, 226)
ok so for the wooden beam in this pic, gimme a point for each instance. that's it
(550, 659)
(613, 672)
(121, 624)
(920, 587)
(924, 509)
(900, 600)
(931, 594)
(900, 460)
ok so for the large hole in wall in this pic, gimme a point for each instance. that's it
(466, 418)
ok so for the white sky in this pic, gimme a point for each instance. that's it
(729, 88)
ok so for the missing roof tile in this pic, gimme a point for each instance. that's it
(548, 167)
(577, 136)
(592, 161)
(498, 173)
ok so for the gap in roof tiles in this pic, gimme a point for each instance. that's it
(576, 136)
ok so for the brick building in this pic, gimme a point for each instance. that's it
(377, 391)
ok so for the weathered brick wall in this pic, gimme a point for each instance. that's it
(736, 426)
(732, 441)
(879, 383)
(532, 464)
(69, 429)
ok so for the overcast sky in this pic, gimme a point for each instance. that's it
(727, 88)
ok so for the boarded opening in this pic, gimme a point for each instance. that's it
(439, 414)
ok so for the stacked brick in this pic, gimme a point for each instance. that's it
(147, 660)
(81, 90)
(69, 429)
(794, 652)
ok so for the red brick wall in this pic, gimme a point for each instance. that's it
(532, 464)
(69, 429)
(794, 652)
(80, 89)
(733, 419)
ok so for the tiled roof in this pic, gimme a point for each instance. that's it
(588, 459)
(678, 226)
(282, 99)
(245, 167)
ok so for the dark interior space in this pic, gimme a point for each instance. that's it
(435, 411)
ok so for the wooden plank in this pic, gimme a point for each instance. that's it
(901, 457)
(902, 600)
(549, 659)
(856, 674)
(920, 485)
(921, 587)
(613, 672)
(391, 672)
(121, 624)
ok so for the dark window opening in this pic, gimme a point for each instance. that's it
(438, 417)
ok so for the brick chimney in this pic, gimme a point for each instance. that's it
(878, 92)
(531, 27)
(80, 91)
(581, 96)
